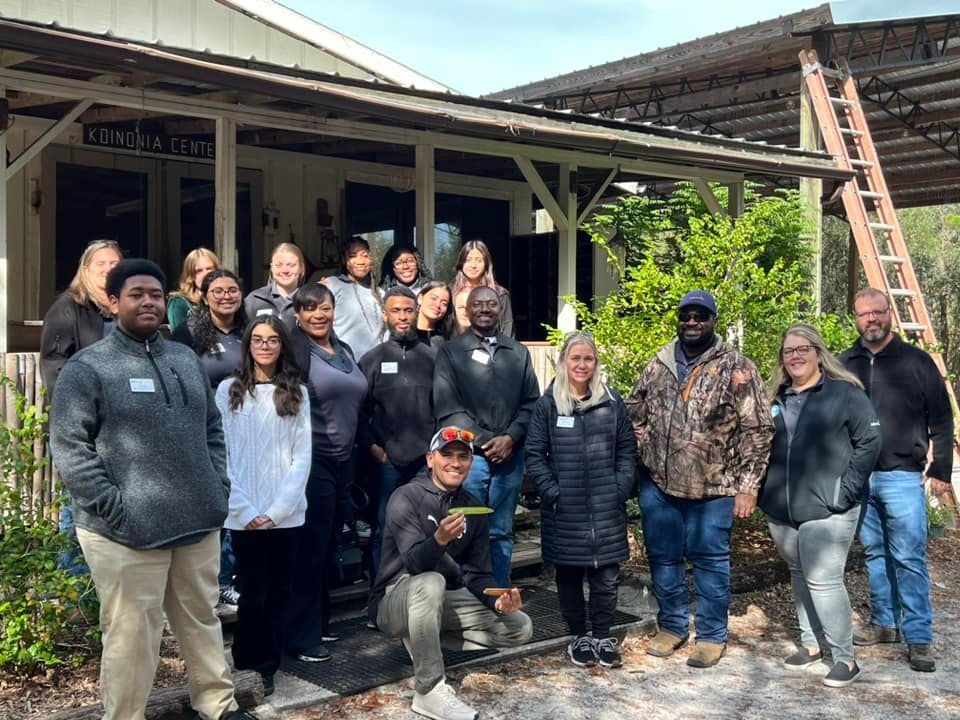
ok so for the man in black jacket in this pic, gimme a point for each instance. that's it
(435, 569)
(914, 410)
(397, 419)
(484, 381)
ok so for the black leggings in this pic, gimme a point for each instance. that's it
(603, 597)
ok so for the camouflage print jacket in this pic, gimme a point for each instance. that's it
(709, 438)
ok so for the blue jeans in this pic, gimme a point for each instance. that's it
(894, 537)
(498, 485)
(390, 478)
(700, 530)
(71, 559)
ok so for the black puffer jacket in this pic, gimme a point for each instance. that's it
(584, 474)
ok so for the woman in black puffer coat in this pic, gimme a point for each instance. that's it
(580, 451)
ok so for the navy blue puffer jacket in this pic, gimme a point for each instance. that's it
(583, 467)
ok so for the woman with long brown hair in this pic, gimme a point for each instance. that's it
(359, 319)
(475, 268)
(196, 265)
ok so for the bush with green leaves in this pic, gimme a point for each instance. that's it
(39, 601)
(757, 267)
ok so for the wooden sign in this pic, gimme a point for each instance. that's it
(193, 146)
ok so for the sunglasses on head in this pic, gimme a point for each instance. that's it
(699, 316)
(449, 434)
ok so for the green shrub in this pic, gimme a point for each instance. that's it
(38, 600)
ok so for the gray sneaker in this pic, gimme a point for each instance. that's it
(442, 703)
(841, 675)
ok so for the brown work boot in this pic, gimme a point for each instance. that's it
(873, 634)
(706, 654)
(665, 644)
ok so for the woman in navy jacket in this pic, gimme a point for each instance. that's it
(826, 443)
(581, 451)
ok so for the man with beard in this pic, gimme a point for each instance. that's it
(704, 432)
(137, 438)
(912, 403)
(397, 419)
(484, 382)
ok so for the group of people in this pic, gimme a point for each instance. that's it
(254, 420)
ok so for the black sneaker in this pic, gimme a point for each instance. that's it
(581, 651)
(329, 637)
(921, 657)
(873, 634)
(229, 597)
(802, 659)
(267, 684)
(315, 654)
(841, 675)
(607, 654)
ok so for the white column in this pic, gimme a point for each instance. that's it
(426, 202)
(567, 250)
(225, 208)
(4, 284)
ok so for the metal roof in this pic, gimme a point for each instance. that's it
(746, 83)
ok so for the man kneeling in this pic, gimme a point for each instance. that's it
(434, 568)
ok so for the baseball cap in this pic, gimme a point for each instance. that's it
(701, 298)
(451, 434)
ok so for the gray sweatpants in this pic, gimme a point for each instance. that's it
(422, 610)
(816, 553)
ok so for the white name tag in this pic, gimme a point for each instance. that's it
(565, 421)
(264, 311)
(219, 349)
(388, 368)
(481, 356)
(142, 385)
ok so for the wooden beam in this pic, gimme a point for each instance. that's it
(542, 192)
(709, 199)
(4, 250)
(426, 202)
(49, 136)
(596, 196)
(225, 205)
(735, 200)
(811, 191)
(9, 58)
(567, 249)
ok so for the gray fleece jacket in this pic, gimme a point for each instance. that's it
(137, 438)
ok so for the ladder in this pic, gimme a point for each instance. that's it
(883, 251)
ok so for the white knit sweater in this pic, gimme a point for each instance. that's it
(268, 458)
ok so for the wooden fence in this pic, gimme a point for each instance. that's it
(24, 370)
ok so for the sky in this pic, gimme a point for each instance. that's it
(479, 46)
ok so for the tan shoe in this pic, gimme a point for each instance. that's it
(665, 644)
(706, 654)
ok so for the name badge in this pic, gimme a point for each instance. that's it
(388, 368)
(219, 349)
(480, 356)
(264, 311)
(565, 421)
(142, 385)
(775, 410)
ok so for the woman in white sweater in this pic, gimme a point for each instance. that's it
(266, 421)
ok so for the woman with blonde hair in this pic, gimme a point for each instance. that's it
(475, 268)
(826, 442)
(580, 452)
(288, 268)
(81, 315)
(196, 265)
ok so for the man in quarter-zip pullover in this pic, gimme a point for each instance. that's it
(912, 403)
(703, 432)
(137, 438)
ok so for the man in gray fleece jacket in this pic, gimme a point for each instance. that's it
(137, 438)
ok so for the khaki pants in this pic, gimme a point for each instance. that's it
(136, 588)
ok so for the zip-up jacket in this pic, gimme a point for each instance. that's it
(824, 467)
(137, 438)
(709, 437)
(68, 327)
(912, 403)
(489, 395)
(398, 412)
(583, 467)
(269, 298)
(413, 514)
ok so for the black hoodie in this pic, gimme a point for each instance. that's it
(409, 548)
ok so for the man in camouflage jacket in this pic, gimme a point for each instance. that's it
(704, 431)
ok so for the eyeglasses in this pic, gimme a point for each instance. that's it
(449, 434)
(799, 351)
(405, 262)
(697, 316)
(872, 314)
(270, 342)
(220, 293)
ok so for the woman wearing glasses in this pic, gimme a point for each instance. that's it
(826, 443)
(580, 451)
(288, 268)
(403, 265)
(266, 423)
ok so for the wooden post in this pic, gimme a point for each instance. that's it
(426, 179)
(810, 191)
(853, 270)
(4, 284)
(735, 200)
(567, 250)
(225, 208)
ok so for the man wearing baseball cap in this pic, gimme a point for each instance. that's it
(704, 432)
(434, 571)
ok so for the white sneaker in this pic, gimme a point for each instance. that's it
(442, 703)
